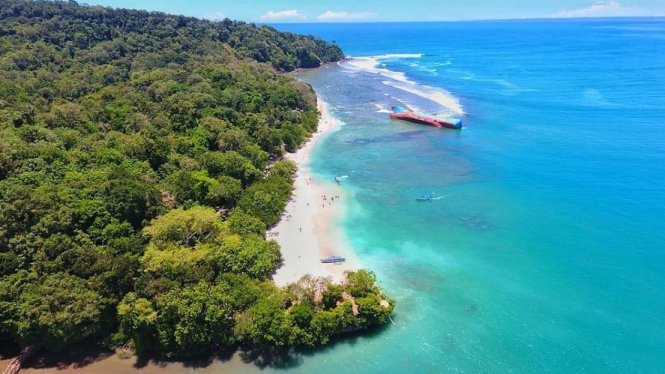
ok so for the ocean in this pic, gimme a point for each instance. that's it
(544, 251)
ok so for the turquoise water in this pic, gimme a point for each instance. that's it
(546, 251)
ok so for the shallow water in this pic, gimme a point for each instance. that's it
(546, 251)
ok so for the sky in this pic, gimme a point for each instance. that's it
(276, 11)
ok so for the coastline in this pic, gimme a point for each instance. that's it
(320, 237)
(308, 229)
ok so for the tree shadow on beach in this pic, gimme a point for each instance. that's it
(221, 354)
(84, 354)
(8, 350)
(78, 356)
(263, 357)
(281, 358)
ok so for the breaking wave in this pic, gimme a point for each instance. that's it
(437, 95)
(373, 64)
(381, 109)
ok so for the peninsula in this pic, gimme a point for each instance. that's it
(141, 165)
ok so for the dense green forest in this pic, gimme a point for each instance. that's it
(140, 165)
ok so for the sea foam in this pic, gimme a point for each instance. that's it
(372, 64)
(381, 109)
(398, 55)
(437, 95)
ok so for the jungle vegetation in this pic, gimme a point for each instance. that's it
(140, 165)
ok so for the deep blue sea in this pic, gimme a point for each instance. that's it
(546, 250)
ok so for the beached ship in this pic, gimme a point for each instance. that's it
(332, 260)
(425, 118)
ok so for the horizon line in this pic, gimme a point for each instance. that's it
(258, 22)
(448, 21)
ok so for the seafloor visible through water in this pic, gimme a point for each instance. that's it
(545, 250)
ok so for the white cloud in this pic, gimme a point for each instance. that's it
(282, 14)
(216, 16)
(330, 15)
(601, 9)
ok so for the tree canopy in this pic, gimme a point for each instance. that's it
(136, 182)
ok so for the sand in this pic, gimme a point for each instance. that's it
(301, 251)
(308, 229)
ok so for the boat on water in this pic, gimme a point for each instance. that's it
(425, 118)
(429, 197)
(332, 260)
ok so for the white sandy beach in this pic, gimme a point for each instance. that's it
(301, 251)
(317, 218)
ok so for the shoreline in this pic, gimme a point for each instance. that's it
(301, 251)
(308, 229)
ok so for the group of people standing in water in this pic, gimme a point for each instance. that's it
(324, 198)
(332, 199)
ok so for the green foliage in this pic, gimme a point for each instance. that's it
(306, 290)
(244, 224)
(371, 310)
(361, 283)
(324, 324)
(256, 155)
(185, 227)
(232, 164)
(179, 264)
(53, 311)
(225, 193)
(9, 262)
(269, 139)
(301, 315)
(250, 255)
(137, 319)
(265, 322)
(266, 199)
(243, 291)
(232, 140)
(293, 136)
(125, 138)
(284, 169)
(332, 295)
(127, 198)
(192, 319)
